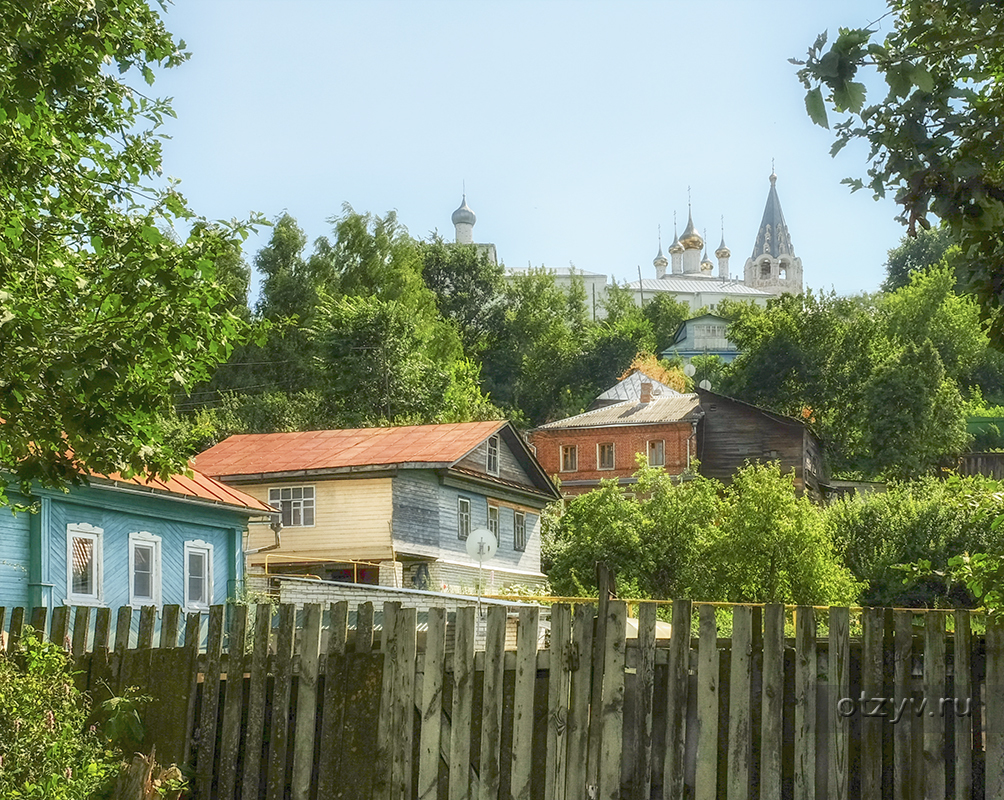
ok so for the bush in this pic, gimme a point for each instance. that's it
(47, 751)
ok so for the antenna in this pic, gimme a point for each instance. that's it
(481, 545)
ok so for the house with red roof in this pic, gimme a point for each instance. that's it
(393, 505)
(136, 541)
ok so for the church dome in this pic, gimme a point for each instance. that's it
(676, 247)
(723, 251)
(660, 260)
(464, 215)
(691, 239)
(706, 265)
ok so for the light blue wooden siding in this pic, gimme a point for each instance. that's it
(14, 556)
(510, 468)
(416, 508)
(454, 548)
(145, 514)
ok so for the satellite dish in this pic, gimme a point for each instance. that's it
(705, 384)
(689, 370)
(481, 545)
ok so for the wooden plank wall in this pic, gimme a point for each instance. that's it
(756, 703)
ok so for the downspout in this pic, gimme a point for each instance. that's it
(39, 586)
(276, 526)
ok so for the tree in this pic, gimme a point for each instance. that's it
(665, 313)
(105, 318)
(937, 137)
(916, 254)
(467, 286)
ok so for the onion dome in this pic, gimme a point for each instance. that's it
(464, 215)
(691, 239)
(723, 251)
(675, 247)
(706, 265)
(660, 260)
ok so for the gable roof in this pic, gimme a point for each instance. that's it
(682, 407)
(196, 487)
(708, 396)
(629, 388)
(413, 445)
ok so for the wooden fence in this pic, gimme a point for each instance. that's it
(785, 706)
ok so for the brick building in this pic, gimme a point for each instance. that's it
(601, 444)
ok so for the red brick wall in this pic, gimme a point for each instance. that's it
(628, 441)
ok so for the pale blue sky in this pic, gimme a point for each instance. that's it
(577, 126)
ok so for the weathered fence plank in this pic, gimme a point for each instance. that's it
(463, 698)
(523, 691)
(331, 744)
(838, 682)
(557, 702)
(169, 626)
(641, 782)
(491, 719)
(306, 702)
(708, 666)
(38, 617)
(902, 665)
(404, 704)
(279, 736)
(805, 703)
(676, 700)
(934, 692)
(364, 628)
(871, 685)
(59, 627)
(740, 721)
(254, 731)
(210, 705)
(232, 702)
(963, 723)
(579, 694)
(994, 717)
(611, 716)
(772, 710)
(384, 756)
(432, 703)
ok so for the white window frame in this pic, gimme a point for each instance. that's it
(492, 458)
(519, 530)
(648, 448)
(199, 546)
(277, 504)
(613, 456)
(493, 521)
(574, 452)
(463, 516)
(145, 538)
(81, 530)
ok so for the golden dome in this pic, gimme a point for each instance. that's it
(691, 239)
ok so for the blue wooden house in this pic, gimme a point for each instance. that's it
(393, 505)
(706, 335)
(119, 542)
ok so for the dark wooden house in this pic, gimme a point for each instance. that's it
(732, 432)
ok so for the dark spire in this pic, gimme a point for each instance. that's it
(773, 237)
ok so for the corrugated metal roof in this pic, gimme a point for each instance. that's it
(197, 487)
(630, 388)
(697, 285)
(664, 409)
(261, 453)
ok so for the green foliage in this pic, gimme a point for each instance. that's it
(665, 314)
(771, 546)
(916, 254)
(751, 542)
(928, 519)
(105, 317)
(935, 138)
(47, 751)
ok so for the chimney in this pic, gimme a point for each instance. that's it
(646, 392)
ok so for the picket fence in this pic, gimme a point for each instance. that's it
(324, 709)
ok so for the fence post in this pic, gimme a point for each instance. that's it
(306, 701)
(934, 691)
(740, 722)
(523, 691)
(559, 681)
(612, 709)
(432, 703)
(676, 701)
(805, 703)
(772, 713)
(964, 720)
(708, 666)
(839, 686)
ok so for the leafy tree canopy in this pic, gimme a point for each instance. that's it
(105, 318)
(937, 136)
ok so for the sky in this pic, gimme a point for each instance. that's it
(577, 128)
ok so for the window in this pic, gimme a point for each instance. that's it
(519, 531)
(144, 569)
(295, 503)
(657, 453)
(493, 455)
(765, 269)
(83, 564)
(463, 517)
(605, 456)
(198, 575)
(493, 521)
(569, 458)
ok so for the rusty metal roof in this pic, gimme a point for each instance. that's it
(196, 487)
(425, 445)
(677, 408)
